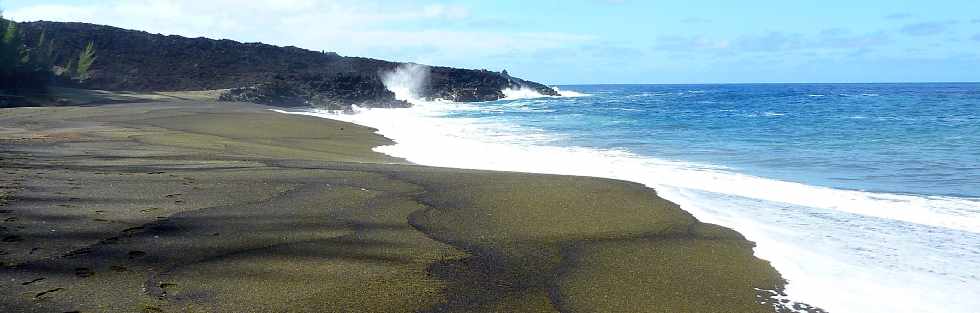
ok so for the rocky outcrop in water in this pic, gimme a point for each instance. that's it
(129, 60)
(469, 85)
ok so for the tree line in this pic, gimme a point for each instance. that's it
(31, 68)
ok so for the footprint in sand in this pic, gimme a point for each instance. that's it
(46, 294)
(151, 309)
(132, 230)
(82, 251)
(84, 272)
(117, 268)
(32, 281)
(166, 289)
(136, 254)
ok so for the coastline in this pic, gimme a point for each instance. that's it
(182, 200)
(816, 236)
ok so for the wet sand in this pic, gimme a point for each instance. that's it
(204, 207)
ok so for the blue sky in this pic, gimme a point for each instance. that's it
(588, 41)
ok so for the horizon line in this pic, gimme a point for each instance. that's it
(769, 83)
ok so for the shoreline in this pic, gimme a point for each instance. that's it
(193, 195)
(824, 238)
(673, 192)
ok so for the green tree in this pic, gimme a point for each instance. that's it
(22, 69)
(85, 60)
(42, 56)
(70, 69)
(11, 47)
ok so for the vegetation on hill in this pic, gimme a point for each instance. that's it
(78, 55)
(130, 60)
(22, 69)
(28, 65)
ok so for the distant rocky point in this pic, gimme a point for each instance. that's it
(129, 60)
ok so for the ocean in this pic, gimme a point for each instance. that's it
(865, 197)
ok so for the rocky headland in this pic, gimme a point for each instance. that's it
(129, 60)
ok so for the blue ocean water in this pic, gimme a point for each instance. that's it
(899, 138)
(865, 197)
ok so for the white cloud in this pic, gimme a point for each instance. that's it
(385, 29)
(454, 12)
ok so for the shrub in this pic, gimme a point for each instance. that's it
(21, 70)
(85, 60)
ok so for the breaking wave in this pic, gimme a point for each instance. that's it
(406, 81)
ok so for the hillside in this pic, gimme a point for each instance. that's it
(129, 60)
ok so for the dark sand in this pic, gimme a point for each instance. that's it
(202, 207)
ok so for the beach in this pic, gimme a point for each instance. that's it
(196, 206)
(846, 227)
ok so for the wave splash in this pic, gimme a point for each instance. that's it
(406, 81)
(521, 93)
(526, 93)
(570, 93)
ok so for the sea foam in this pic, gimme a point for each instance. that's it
(527, 93)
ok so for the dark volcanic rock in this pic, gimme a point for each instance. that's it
(336, 92)
(289, 76)
(471, 85)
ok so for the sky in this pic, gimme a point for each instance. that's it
(587, 41)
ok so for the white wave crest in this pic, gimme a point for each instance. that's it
(527, 93)
(521, 93)
(570, 93)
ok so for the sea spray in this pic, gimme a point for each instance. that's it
(407, 81)
(528, 93)
(521, 93)
(569, 93)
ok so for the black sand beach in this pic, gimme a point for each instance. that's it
(207, 207)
